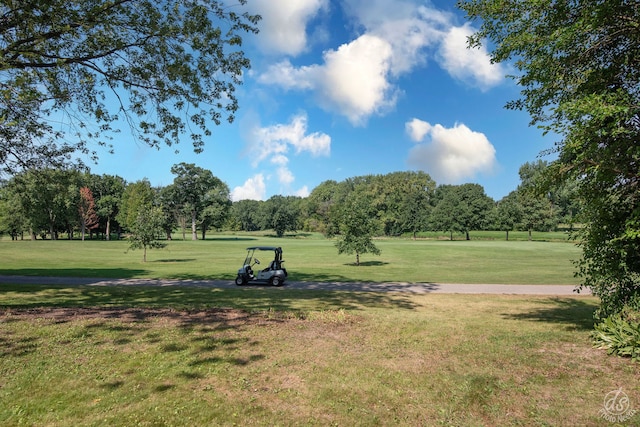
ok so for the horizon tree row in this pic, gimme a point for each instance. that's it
(50, 202)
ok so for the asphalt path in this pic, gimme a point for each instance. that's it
(416, 288)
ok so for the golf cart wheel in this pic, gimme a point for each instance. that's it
(240, 280)
(276, 281)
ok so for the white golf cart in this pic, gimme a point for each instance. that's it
(274, 274)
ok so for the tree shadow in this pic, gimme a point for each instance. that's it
(572, 313)
(367, 264)
(212, 336)
(60, 273)
(231, 239)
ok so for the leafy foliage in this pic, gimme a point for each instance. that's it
(620, 333)
(580, 77)
(137, 197)
(146, 230)
(199, 193)
(280, 214)
(461, 208)
(357, 227)
(165, 68)
(87, 211)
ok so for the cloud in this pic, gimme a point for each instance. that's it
(253, 189)
(274, 144)
(302, 192)
(469, 65)
(417, 129)
(353, 80)
(283, 27)
(358, 79)
(407, 26)
(452, 154)
(274, 141)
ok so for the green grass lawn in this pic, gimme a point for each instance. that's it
(308, 258)
(124, 356)
(183, 356)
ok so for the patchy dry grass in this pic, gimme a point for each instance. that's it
(414, 360)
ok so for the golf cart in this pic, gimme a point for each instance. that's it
(274, 274)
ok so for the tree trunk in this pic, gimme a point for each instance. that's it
(357, 259)
(194, 230)
(529, 234)
(108, 230)
(467, 233)
(507, 235)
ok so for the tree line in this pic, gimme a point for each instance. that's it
(48, 203)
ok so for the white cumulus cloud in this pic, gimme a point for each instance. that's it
(469, 65)
(353, 80)
(283, 27)
(359, 78)
(417, 129)
(253, 189)
(450, 155)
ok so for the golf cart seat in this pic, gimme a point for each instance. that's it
(272, 266)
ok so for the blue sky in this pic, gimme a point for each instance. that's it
(342, 88)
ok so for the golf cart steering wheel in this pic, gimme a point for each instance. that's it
(256, 260)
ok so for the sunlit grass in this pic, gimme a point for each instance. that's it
(124, 356)
(308, 258)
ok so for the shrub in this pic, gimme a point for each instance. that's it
(620, 333)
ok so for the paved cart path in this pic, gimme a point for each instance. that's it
(418, 288)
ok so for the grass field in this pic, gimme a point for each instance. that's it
(183, 356)
(308, 258)
(124, 356)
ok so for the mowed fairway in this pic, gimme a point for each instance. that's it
(307, 258)
(183, 355)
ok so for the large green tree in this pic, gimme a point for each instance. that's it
(280, 214)
(137, 197)
(461, 208)
(217, 205)
(165, 68)
(49, 200)
(197, 189)
(577, 64)
(245, 214)
(508, 213)
(357, 224)
(107, 190)
(535, 198)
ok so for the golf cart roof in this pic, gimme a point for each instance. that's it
(264, 248)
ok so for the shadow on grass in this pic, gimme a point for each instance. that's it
(573, 313)
(367, 264)
(230, 239)
(108, 273)
(246, 298)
